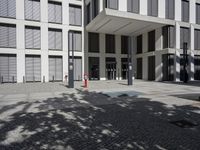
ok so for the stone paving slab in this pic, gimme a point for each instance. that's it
(51, 116)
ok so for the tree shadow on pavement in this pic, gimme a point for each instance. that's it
(93, 121)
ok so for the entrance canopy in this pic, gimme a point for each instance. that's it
(125, 23)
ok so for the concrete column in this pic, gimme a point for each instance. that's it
(177, 67)
(44, 53)
(178, 10)
(134, 48)
(118, 58)
(159, 39)
(145, 68)
(177, 26)
(20, 36)
(20, 9)
(65, 51)
(158, 70)
(161, 8)
(65, 12)
(177, 54)
(20, 66)
(192, 37)
(20, 51)
(102, 57)
(44, 10)
(101, 5)
(191, 65)
(143, 7)
(192, 9)
(122, 5)
(86, 61)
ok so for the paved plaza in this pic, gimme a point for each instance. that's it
(109, 115)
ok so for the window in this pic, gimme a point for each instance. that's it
(168, 67)
(33, 68)
(8, 68)
(112, 4)
(75, 41)
(185, 11)
(55, 68)
(95, 8)
(124, 44)
(168, 33)
(55, 39)
(184, 36)
(151, 41)
(169, 9)
(75, 15)
(110, 43)
(32, 37)
(139, 44)
(153, 8)
(88, 14)
(8, 8)
(55, 12)
(197, 13)
(32, 10)
(93, 42)
(7, 35)
(197, 39)
(133, 6)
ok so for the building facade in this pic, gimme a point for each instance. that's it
(37, 38)
(158, 29)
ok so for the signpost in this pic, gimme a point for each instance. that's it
(71, 63)
(130, 65)
(185, 63)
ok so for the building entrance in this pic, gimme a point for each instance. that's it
(111, 69)
(124, 63)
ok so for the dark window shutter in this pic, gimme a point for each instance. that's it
(32, 10)
(32, 37)
(93, 42)
(7, 35)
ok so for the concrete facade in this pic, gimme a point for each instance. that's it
(117, 22)
(108, 20)
(44, 25)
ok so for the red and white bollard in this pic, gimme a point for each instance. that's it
(85, 81)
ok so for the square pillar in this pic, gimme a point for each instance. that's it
(145, 68)
(159, 65)
(143, 7)
(177, 66)
(122, 5)
(192, 9)
(191, 66)
(177, 10)
(44, 10)
(118, 58)
(102, 57)
(161, 8)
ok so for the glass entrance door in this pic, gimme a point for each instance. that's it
(124, 65)
(111, 70)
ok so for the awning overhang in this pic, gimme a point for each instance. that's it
(125, 23)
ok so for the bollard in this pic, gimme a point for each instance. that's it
(24, 81)
(43, 79)
(53, 78)
(2, 79)
(13, 79)
(85, 81)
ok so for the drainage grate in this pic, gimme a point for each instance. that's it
(123, 95)
(184, 124)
